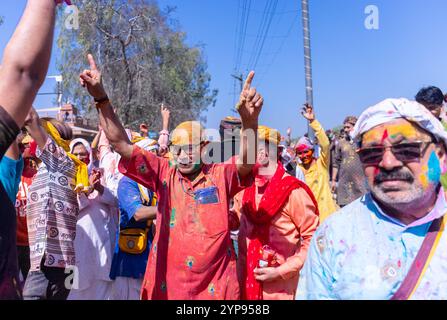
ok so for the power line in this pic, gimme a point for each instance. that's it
(275, 56)
(265, 36)
(267, 18)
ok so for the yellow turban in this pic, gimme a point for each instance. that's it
(188, 133)
(81, 179)
(268, 134)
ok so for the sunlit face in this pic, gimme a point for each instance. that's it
(306, 156)
(263, 154)
(348, 127)
(188, 157)
(403, 175)
(435, 109)
(81, 152)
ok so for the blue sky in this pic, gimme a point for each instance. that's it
(353, 67)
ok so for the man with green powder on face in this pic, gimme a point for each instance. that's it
(192, 256)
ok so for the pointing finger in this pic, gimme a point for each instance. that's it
(92, 62)
(249, 80)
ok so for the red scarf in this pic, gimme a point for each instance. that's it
(274, 198)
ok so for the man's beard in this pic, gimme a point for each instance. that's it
(407, 196)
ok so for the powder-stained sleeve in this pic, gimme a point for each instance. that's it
(145, 168)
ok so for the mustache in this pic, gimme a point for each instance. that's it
(393, 175)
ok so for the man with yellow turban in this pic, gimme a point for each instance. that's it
(52, 209)
(192, 255)
(277, 217)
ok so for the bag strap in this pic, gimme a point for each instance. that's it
(421, 262)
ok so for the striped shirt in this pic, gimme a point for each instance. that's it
(52, 209)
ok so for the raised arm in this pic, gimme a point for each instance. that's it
(113, 129)
(320, 134)
(163, 140)
(13, 152)
(26, 59)
(249, 107)
(32, 125)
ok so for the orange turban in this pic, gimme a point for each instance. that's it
(188, 133)
(269, 134)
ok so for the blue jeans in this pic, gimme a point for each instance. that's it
(48, 283)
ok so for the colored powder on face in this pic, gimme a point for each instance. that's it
(423, 177)
(406, 130)
(385, 136)
(434, 168)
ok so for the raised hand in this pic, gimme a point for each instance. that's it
(165, 113)
(250, 102)
(91, 79)
(308, 112)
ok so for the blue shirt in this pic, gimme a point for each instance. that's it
(126, 264)
(362, 253)
(10, 175)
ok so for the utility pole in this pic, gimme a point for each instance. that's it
(307, 60)
(240, 78)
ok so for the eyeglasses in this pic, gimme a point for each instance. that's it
(188, 149)
(404, 152)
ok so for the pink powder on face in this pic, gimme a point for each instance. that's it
(384, 137)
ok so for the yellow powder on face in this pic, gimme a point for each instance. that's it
(423, 177)
(403, 129)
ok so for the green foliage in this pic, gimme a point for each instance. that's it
(144, 60)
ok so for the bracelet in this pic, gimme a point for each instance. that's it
(106, 98)
(101, 104)
(68, 2)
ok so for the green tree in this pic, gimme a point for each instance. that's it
(144, 60)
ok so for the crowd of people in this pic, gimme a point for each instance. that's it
(351, 214)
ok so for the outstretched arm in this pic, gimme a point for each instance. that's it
(32, 125)
(164, 133)
(26, 59)
(320, 134)
(113, 129)
(249, 107)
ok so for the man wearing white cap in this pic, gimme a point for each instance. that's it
(389, 244)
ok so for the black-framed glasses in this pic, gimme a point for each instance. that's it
(404, 152)
(188, 148)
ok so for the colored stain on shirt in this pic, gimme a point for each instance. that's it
(189, 262)
(211, 289)
(172, 221)
(142, 168)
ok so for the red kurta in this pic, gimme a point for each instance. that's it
(192, 256)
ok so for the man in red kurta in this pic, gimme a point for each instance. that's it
(192, 255)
